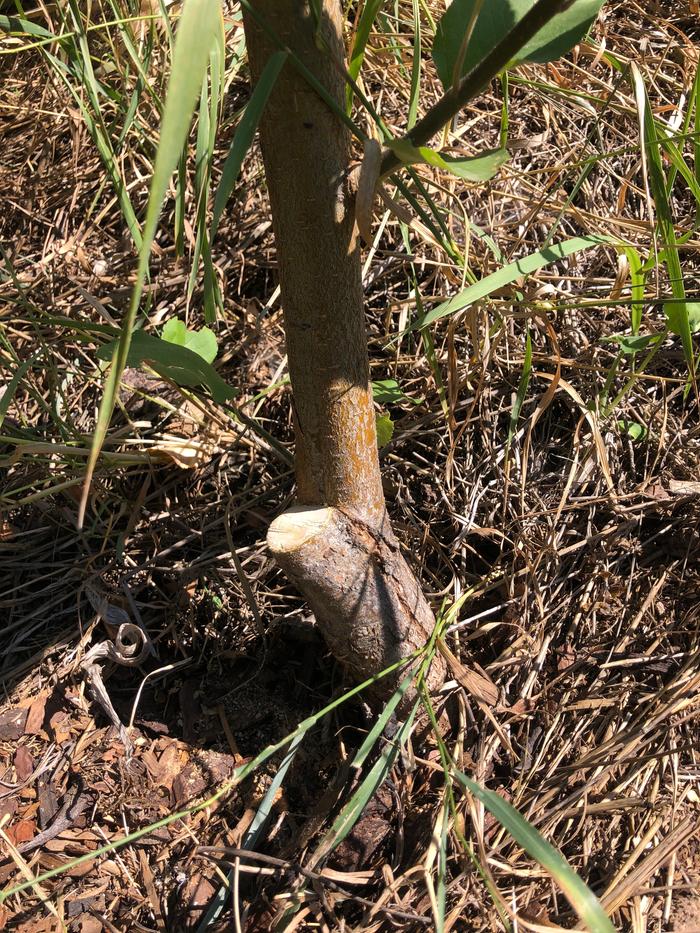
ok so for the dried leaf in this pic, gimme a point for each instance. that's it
(22, 831)
(12, 722)
(24, 763)
(113, 616)
(366, 188)
(476, 682)
(37, 713)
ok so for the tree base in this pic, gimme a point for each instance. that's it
(367, 602)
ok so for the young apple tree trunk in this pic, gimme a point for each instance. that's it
(336, 544)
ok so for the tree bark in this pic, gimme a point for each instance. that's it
(341, 552)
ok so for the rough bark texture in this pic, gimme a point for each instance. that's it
(306, 150)
(366, 600)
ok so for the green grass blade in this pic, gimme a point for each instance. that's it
(579, 895)
(353, 809)
(415, 68)
(521, 393)
(197, 31)
(509, 274)
(676, 311)
(244, 136)
(11, 387)
(637, 280)
(359, 45)
(18, 26)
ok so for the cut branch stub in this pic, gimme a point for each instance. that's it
(367, 602)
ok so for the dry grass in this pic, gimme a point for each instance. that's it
(580, 544)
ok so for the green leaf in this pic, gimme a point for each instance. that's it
(632, 429)
(200, 23)
(175, 331)
(472, 168)
(202, 342)
(630, 344)
(693, 310)
(523, 384)
(357, 53)
(17, 25)
(677, 313)
(385, 430)
(244, 136)
(7, 392)
(509, 274)
(581, 898)
(388, 392)
(173, 361)
(496, 19)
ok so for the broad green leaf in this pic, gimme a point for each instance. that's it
(172, 361)
(693, 309)
(385, 430)
(244, 136)
(581, 898)
(472, 168)
(388, 392)
(202, 342)
(632, 429)
(200, 23)
(509, 274)
(175, 331)
(496, 19)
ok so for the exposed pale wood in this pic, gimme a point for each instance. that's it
(367, 602)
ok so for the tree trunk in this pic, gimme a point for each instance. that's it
(337, 546)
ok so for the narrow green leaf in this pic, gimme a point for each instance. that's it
(173, 361)
(496, 19)
(521, 393)
(17, 25)
(509, 274)
(634, 343)
(415, 68)
(196, 34)
(357, 53)
(7, 392)
(581, 898)
(244, 136)
(676, 311)
(354, 808)
(472, 168)
(637, 279)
